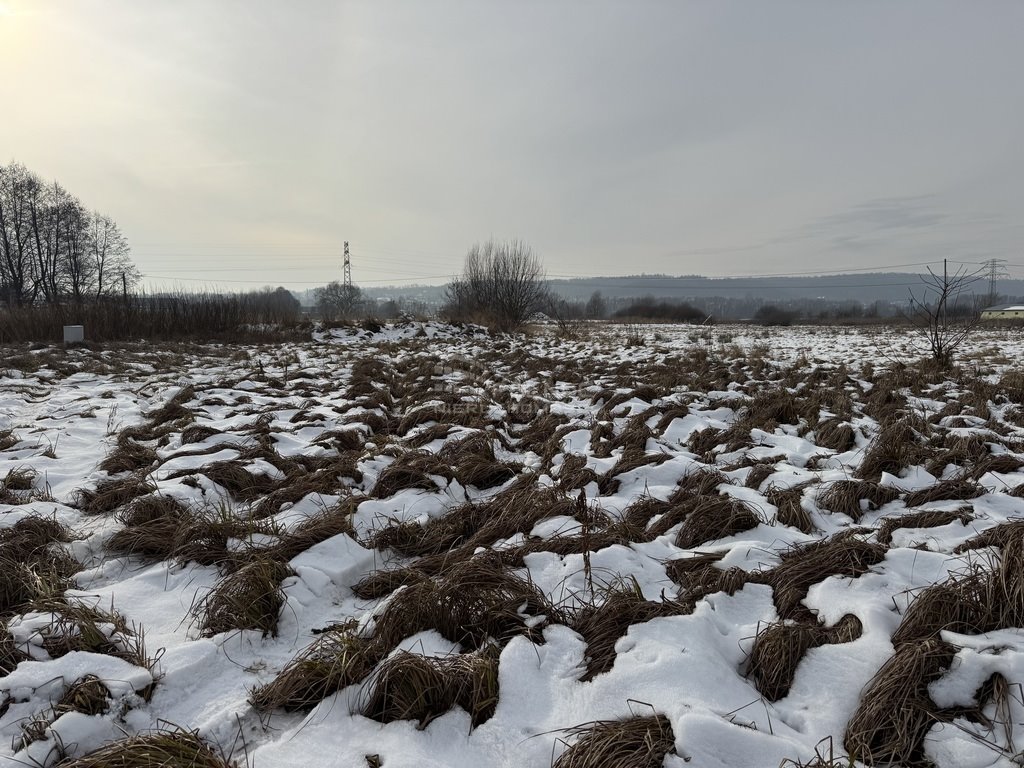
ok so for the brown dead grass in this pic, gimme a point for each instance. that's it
(711, 518)
(895, 711)
(843, 554)
(791, 511)
(110, 495)
(845, 497)
(408, 686)
(636, 742)
(926, 519)
(947, 490)
(171, 747)
(250, 598)
(779, 647)
(602, 622)
(896, 446)
(337, 658)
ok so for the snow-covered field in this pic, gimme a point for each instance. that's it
(431, 547)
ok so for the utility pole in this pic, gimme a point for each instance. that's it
(996, 269)
(347, 278)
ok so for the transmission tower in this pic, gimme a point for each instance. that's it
(996, 269)
(347, 278)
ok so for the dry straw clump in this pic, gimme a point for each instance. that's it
(635, 742)
(475, 603)
(163, 528)
(610, 616)
(791, 511)
(411, 470)
(113, 494)
(895, 711)
(337, 658)
(249, 598)
(926, 519)
(780, 646)
(169, 748)
(32, 568)
(896, 446)
(714, 517)
(948, 490)
(804, 565)
(845, 497)
(76, 626)
(408, 686)
(87, 695)
(836, 435)
(129, 456)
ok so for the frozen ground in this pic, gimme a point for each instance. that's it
(598, 532)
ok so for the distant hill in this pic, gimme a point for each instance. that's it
(866, 288)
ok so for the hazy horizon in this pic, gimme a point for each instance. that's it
(239, 143)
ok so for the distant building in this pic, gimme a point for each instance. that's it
(1005, 312)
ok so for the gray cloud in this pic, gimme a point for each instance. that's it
(254, 137)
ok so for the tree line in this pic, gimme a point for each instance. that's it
(54, 249)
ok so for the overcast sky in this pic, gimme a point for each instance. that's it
(240, 143)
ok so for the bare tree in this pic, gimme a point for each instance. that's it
(943, 315)
(338, 301)
(17, 259)
(502, 284)
(51, 247)
(113, 270)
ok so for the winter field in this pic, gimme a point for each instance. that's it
(430, 547)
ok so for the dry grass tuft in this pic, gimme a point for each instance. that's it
(896, 446)
(841, 555)
(836, 435)
(758, 474)
(640, 511)
(696, 575)
(162, 528)
(173, 409)
(87, 695)
(714, 517)
(112, 494)
(948, 490)
(249, 598)
(384, 581)
(76, 626)
(536, 437)
(610, 616)
(997, 536)
(10, 654)
(703, 482)
(461, 531)
(895, 711)
(474, 602)
(926, 519)
(475, 464)
(411, 470)
(791, 510)
(315, 529)
(337, 658)
(845, 497)
(636, 742)
(167, 748)
(239, 482)
(963, 603)
(574, 474)
(407, 686)
(779, 647)
(31, 567)
(128, 456)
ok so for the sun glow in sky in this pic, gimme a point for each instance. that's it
(241, 141)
